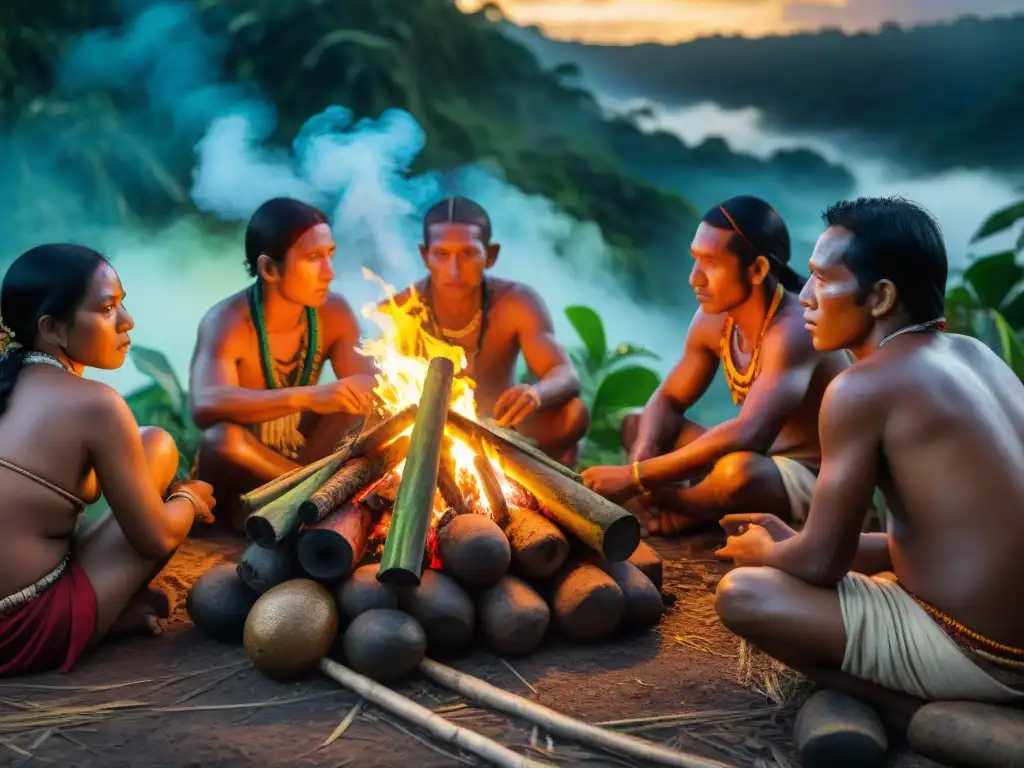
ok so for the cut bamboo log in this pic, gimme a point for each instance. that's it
(508, 439)
(491, 485)
(354, 444)
(421, 717)
(402, 562)
(330, 549)
(554, 722)
(605, 527)
(355, 475)
(273, 522)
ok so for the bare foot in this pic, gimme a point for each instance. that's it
(143, 614)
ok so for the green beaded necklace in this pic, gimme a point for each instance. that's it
(256, 309)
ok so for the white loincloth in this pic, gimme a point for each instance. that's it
(799, 482)
(891, 641)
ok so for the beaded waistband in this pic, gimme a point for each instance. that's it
(990, 650)
(33, 591)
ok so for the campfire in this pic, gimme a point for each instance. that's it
(425, 495)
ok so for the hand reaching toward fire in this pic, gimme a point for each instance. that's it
(353, 394)
(515, 404)
(614, 483)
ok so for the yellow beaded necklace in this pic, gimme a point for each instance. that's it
(740, 383)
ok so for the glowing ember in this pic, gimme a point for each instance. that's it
(402, 355)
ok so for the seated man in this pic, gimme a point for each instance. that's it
(766, 459)
(493, 320)
(259, 354)
(937, 421)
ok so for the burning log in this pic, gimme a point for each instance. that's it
(605, 527)
(263, 568)
(402, 563)
(354, 476)
(382, 495)
(448, 484)
(491, 486)
(330, 549)
(507, 438)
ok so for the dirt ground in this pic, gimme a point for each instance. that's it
(183, 700)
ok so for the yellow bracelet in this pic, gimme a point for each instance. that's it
(636, 478)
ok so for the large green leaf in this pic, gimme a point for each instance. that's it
(155, 364)
(591, 332)
(628, 387)
(1010, 344)
(992, 277)
(999, 221)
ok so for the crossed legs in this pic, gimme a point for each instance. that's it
(739, 482)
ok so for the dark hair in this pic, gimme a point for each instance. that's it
(758, 230)
(895, 239)
(274, 228)
(46, 280)
(458, 210)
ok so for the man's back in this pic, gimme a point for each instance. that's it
(952, 468)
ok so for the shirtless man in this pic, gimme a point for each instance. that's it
(937, 421)
(259, 355)
(493, 320)
(750, 322)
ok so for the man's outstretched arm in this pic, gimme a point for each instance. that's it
(558, 382)
(684, 386)
(779, 390)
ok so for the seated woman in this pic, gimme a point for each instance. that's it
(63, 440)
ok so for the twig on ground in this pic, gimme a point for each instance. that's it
(521, 678)
(344, 724)
(209, 686)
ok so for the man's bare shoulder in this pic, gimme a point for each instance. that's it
(512, 296)
(338, 314)
(858, 393)
(706, 330)
(226, 316)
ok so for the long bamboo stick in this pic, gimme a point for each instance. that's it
(491, 486)
(555, 722)
(402, 561)
(605, 527)
(508, 438)
(420, 716)
(271, 523)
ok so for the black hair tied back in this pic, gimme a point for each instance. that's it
(46, 280)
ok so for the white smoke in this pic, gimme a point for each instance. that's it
(354, 170)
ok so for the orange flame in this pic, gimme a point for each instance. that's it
(402, 355)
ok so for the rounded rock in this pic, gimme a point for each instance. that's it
(219, 603)
(644, 607)
(513, 617)
(362, 592)
(443, 609)
(474, 550)
(539, 548)
(384, 644)
(291, 628)
(833, 730)
(587, 604)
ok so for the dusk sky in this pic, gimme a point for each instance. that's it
(631, 21)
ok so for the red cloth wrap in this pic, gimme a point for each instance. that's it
(51, 630)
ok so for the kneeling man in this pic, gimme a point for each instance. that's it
(929, 608)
